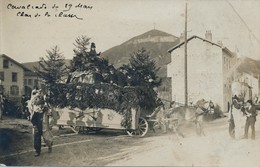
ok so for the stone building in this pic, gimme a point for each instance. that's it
(14, 77)
(209, 73)
(252, 83)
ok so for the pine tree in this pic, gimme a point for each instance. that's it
(142, 73)
(52, 69)
(143, 69)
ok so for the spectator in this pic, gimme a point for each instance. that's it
(251, 119)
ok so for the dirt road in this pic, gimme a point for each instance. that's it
(214, 149)
(114, 148)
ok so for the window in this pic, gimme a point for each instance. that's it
(2, 76)
(6, 64)
(29, 81)
(14, 90)
(14, 77)
(25, 82)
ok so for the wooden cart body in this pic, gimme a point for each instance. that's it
(100, 119)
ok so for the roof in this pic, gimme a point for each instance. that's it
(205, 40)
(19, 64)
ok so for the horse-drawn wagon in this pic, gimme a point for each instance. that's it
(95, 119)
(86, 105)
(92, 106)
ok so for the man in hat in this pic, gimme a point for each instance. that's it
(251, 119)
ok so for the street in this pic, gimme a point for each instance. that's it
(115, 148)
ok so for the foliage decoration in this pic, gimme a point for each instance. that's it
(94, 83)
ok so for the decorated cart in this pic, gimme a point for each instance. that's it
(95, 95)
(103, 106)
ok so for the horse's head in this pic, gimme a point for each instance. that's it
(206, 106)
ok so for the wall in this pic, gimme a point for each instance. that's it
(13, 67)
(251, 81)
(33, 79)
(228, 77)
(205, 76)
(240, 89)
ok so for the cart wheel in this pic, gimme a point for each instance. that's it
(141, 130)
(159, 127)
(76, 129)
(61, 127)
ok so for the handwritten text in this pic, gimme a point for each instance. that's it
(68, 10)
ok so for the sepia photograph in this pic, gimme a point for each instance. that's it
(130, 83)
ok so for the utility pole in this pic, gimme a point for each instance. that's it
(185, 60)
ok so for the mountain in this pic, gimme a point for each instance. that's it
(154, 41)
(33, 65)
(249, 66)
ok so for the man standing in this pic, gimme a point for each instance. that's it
(37, 118)
(251, 119)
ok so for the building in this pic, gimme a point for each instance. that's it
(252, 83)
(13, 76)
(31, 81)
(242, 90)
(209, 73)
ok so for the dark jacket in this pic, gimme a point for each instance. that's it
(253, 113)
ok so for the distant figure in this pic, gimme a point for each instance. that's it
(211, 107)
(256, 99)
(251, 119)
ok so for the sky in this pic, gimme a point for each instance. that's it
(111, 22)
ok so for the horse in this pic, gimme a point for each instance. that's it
(194, 114)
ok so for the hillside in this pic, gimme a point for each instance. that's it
(154, 41)
(33, 65)
(250, 66)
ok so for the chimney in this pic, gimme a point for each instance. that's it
(208, 35)
(182, 37)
